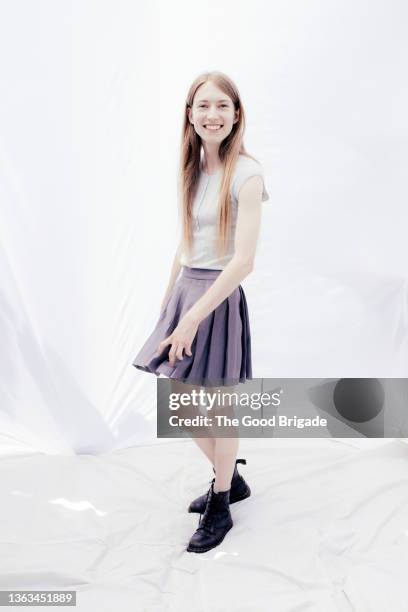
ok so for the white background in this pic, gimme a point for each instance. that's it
(91, 103)
(91, 108)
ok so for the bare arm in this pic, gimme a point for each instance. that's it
(175, 271)
(246, 238)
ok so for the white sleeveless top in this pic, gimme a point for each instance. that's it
(205, 215)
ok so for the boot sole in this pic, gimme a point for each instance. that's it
(247, 494)
(203, 550)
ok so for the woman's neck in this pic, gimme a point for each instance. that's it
(211, 161)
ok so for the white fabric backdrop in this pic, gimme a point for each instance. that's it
(91, 101)
(92, 96)
(318, 533)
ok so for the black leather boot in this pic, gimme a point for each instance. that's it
(239, 490)
(214, 524)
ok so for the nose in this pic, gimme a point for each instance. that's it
(212, 113)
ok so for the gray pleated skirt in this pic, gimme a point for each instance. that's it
(221, 349)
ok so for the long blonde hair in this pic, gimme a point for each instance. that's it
(230, 149)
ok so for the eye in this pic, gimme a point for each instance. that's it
(225, 105)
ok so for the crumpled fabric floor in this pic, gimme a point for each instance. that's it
(326, 528)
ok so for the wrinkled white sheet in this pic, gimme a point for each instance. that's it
(326, 528)
(90, 125)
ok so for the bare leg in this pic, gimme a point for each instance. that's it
(207, 445)
(203, 436)
(226, 448)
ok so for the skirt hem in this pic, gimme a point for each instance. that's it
(224, 382)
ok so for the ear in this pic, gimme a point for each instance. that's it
(189, 114)
(236, 116)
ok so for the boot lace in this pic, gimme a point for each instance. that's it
(204, 523)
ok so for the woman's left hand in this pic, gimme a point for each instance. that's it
(181, 339)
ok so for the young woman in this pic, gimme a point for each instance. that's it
(202, 338)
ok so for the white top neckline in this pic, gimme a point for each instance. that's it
(214, 173)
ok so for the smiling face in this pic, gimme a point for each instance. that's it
(212, 113)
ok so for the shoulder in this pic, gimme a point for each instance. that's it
(245, 168)
(244, 162)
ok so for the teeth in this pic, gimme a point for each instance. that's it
(212, 127)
